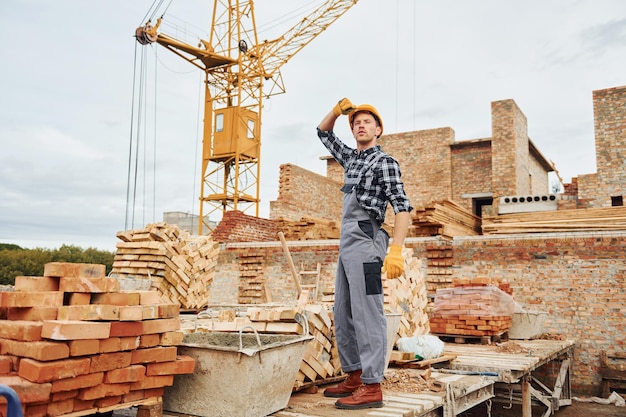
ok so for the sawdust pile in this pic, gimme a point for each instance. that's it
(511, 347)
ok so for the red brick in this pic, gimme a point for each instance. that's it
(84, 347)
(149, 312)
(32, 299)
(27, 283)
(42, 350)
(116, 298)
(77, 298)
(108, 361)
(36, 371)
(59, 408)
(171, 338)
(103, 403)
(112, 344)
(133, 396)
(89, 285)
(130, 374)
(77, 382)
(103, 390)
(149, 297)
(84, 405)
(129, 343)
(32, 313)
(126, 328)
(74, 270)
(20, 330)
(89, 312)
(63, 395)
(167, 311)
(36, 410)
(75, 330)
(6, 365)
(131, 313)
(153, 392)
(27, 391)
(156, 381)
(160, 325)
(155, 354)
(182, 365)
(149, 340)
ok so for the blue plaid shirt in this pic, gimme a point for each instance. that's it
(377, 187)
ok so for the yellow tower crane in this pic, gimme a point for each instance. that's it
(239, 71)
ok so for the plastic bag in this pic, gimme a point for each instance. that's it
(425, 346)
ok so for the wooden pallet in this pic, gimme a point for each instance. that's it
(397, 361)
(464, 339)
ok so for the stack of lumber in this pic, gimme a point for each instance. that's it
(252, 283)
(591, 219)
(178, 265)
(476, 308)
(445, 218)
(308, 229)
(407, 295)
(72, 344)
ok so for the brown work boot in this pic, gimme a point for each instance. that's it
(367, 396)
(347, 387)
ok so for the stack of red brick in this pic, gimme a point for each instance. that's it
(72, 343)
(477, 307)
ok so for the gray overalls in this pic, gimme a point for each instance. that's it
(360, 323)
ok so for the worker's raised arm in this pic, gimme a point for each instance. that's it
(344, 106)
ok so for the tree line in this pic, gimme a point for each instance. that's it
(17, 261)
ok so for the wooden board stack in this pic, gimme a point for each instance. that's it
(472, 308)
(179, 265)
(73, 344)
(407, 295)
(445, 218)
(602, 219)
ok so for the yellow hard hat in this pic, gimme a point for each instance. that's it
(367, 108)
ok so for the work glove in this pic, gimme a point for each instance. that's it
(394, 263)
(344, 106)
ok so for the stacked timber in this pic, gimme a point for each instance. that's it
(308, 229)
(72, 344)
(178, 265)
(407, 296)
(445, 218)
(472, 308)
(591, 219)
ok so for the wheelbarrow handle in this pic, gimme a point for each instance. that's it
(14, 407)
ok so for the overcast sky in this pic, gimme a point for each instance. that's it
(68, 66)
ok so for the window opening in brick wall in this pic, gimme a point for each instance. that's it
(479, 203)
(617, 200)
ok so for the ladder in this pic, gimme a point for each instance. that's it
(310, 280)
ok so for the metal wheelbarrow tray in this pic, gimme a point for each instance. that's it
(236, 374)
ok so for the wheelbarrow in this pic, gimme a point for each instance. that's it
(14, 407)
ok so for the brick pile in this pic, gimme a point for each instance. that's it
(407, 295)
(72, 344)
(473, 307)
(177, 264)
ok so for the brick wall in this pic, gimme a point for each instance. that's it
(578, 278)
(303, 193)
(424, 158)
(471, 165)
(609, 109)
(236, 226)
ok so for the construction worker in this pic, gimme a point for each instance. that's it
(372, 180)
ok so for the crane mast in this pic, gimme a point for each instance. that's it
(239, 72)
